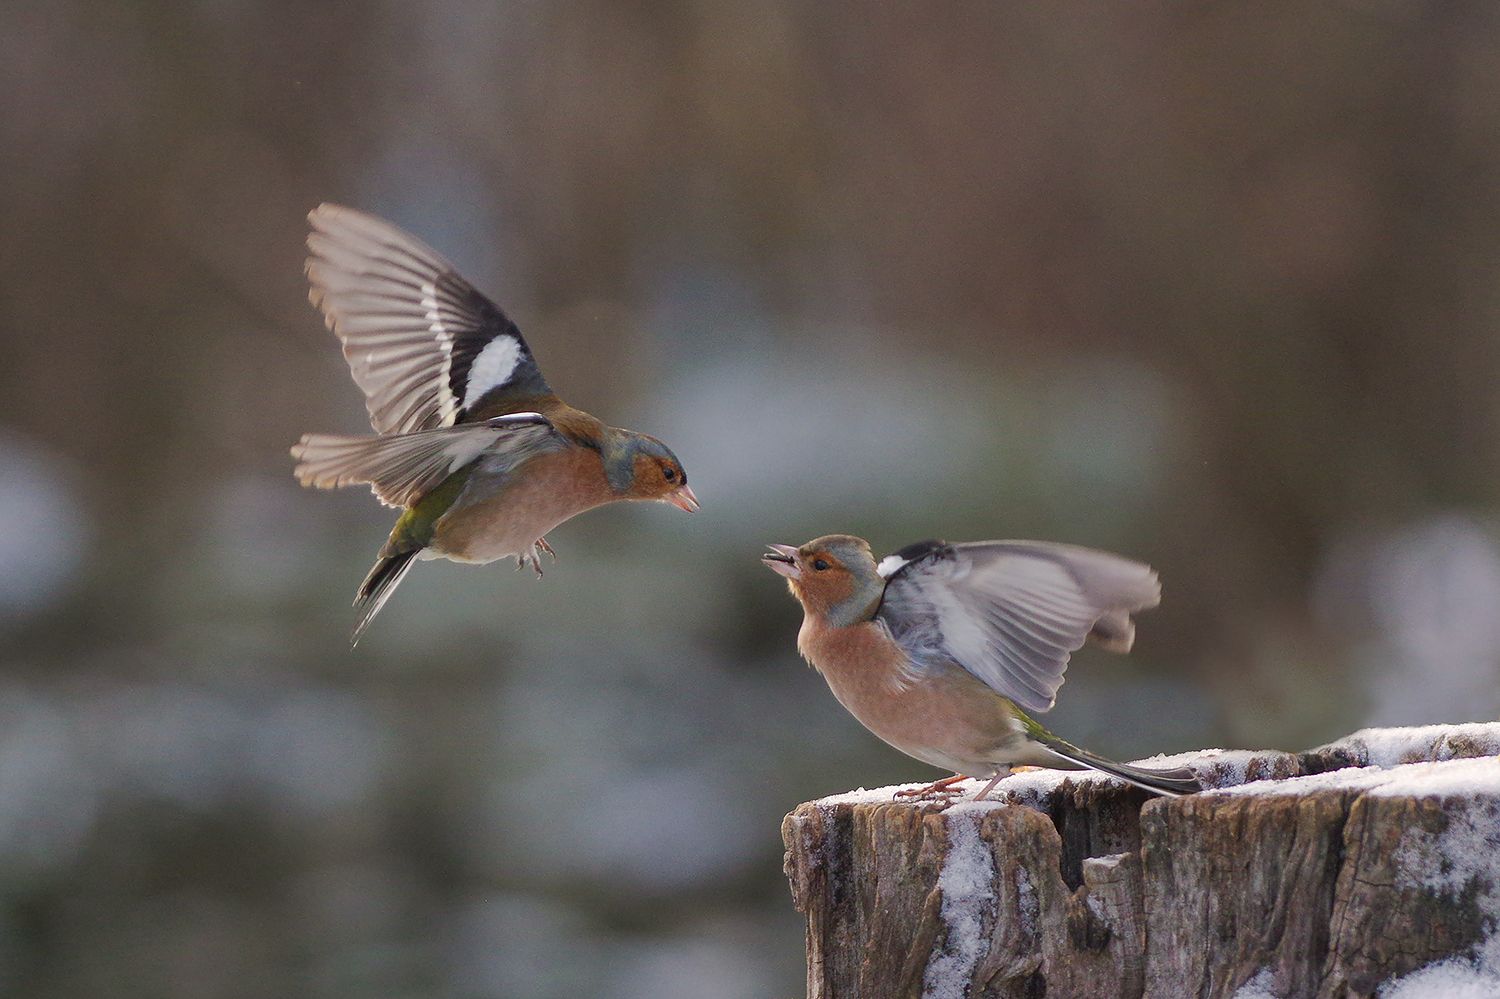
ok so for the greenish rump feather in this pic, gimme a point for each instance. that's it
(855, 555)
(415, 527)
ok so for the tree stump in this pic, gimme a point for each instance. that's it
(1370, 863)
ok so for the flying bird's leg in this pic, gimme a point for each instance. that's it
(532, 557)
(542, 544)
(937, 788)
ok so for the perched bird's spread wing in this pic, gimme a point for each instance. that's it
(422, 343)
(400, 469)
(1012, 612)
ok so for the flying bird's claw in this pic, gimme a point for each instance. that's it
(542, 544)
(533, 557)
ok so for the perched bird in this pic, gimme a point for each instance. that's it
(941, 650)
(474, 447)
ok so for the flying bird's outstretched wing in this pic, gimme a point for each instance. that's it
(425, 347)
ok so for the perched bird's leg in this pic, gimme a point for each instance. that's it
(1009, 772)
(985, 792)
(936, 788)
(542, 544)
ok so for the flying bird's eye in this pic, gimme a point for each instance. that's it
(669, 473)
(819, 564)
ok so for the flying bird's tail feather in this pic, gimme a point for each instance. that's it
(402, 468)
(378, 586)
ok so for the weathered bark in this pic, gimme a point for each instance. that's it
(1236, 886)
(1077, 886)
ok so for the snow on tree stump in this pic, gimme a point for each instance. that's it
(1370, 863)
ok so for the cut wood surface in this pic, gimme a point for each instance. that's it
(1372, 863)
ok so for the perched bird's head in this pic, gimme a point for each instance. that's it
(833, 576)
(643, 468)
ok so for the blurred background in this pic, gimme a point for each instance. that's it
(1213, 285)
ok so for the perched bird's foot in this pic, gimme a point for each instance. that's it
(542, 544)
(937, 789)
(1008, 772)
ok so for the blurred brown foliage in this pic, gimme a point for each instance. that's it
(1213, 284)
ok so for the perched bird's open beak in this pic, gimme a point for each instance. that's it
(782, 559)
(683, 499)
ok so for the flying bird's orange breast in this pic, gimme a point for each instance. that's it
(546, 491)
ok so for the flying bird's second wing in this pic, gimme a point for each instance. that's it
(423, 344)
(401, 468)
(1012, 612)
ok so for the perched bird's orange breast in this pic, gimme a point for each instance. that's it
(942, 716)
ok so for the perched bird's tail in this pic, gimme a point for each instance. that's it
(1173, 782)
(378, 586)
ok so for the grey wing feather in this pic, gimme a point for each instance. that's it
(401, 468)
(1012, 613)
(422, 343)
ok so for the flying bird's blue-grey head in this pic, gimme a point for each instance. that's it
(833, 576)
(639, 467)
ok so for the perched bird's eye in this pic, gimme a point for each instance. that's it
(819, 564)
(669, 473)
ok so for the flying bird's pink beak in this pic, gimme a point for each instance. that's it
(782, 559)
(683, 499)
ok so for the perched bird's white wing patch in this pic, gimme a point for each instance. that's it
(402, 468)
(423, 344)
(1013, 612)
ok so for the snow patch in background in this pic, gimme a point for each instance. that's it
(46, 532)
(1426, 596)
(49, 798)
